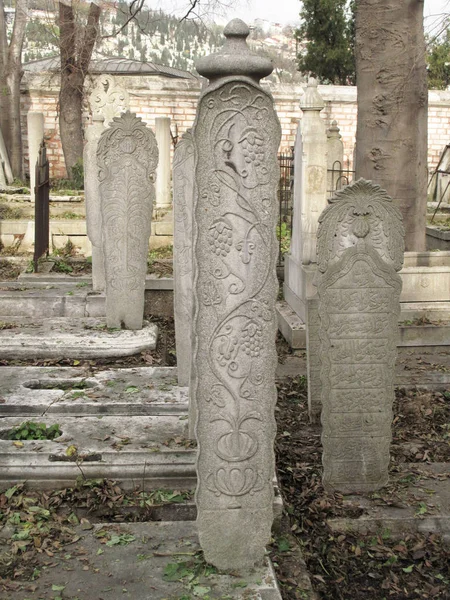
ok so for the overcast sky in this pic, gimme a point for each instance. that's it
(278, 11)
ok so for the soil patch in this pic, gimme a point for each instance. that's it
(9, 271)
(355, 566)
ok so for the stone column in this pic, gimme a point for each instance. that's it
(92, 201)
(127, 156)
(360, 251)
(35, 128)
(335, 158)
(163, 139)
(310, 198)
(183, 206)
(236, 136)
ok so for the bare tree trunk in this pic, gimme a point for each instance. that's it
(10, 76)
(76, 46)
(391, 137)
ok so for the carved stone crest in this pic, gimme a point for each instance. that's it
(127, 156)
(108, 98)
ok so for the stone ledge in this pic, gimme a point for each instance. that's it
(73, 338)
(293, 328)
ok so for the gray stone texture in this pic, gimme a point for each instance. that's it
(335, 158)
(35, 130)
(92, 201)
(360, 250)
(183, 206)
(236, 136)
(310, 199)
(163, 139)
(127, 156)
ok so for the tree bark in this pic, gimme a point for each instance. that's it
(391, 137)
(76, 47)
(10, 76)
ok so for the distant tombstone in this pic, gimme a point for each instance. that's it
(183, 206)
(335, 159)
(92, 201)
(236, 137)
(127, 156)
(108, 98)
(360, 249)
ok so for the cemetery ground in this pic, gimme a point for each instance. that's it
(59, 543)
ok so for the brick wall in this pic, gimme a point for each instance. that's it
(152, 96)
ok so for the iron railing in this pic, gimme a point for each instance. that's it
(339, 176)
(285, 196)
(41, 207)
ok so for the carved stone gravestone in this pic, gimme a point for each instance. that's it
(360, 249)
(127, 156)
(92, 200)
(183, 206)
(236, 137)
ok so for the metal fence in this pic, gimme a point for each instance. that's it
(285, 197)
(339, 176)
(41, 207)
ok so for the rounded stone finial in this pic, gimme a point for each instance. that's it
(334, 130)
(236, 28)
(235, 57)
(312, 100)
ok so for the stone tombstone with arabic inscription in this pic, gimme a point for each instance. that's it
(127, 156)
(236, 137)
(183, 206)
(360, 248)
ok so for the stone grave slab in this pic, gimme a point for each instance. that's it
(422, 505)
(85, 337)
(136, 570)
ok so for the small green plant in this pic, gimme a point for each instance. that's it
(29, 430)
(69, 215)
(284, 237)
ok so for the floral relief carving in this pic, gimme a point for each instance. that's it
(241, 132)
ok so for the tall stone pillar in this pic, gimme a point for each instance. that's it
(35, 128)
(92, 201)
(310, 198)
(163, 139)
(335, 158)
(236, 136)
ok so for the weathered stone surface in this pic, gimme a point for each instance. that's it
(35, 130)
(127, 156)
(360, 250)
(335, 158)
(313, 364)
(163, 139)
(92, 201)
(108, 99)
(236, 139)
(310, 199)
(183, 206)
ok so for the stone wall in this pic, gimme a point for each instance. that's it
(155, 96)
